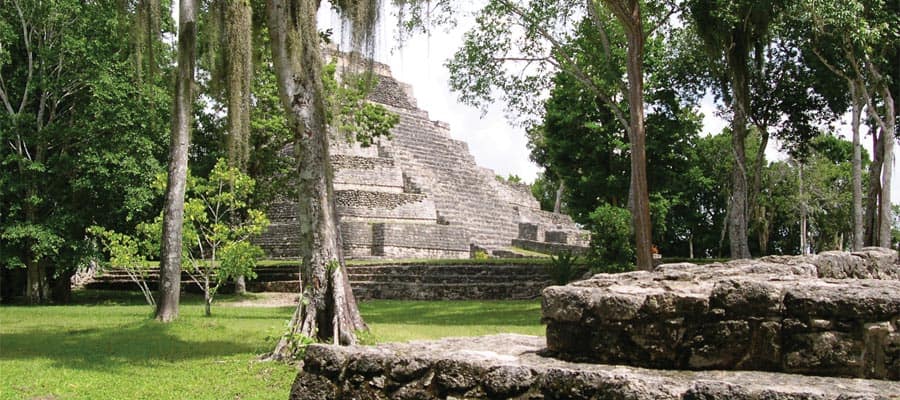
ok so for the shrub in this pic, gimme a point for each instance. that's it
(611, 236)
(564, 268)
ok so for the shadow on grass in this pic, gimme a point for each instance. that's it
(112, 348)
(515, 313)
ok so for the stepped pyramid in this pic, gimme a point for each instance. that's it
(421, 195)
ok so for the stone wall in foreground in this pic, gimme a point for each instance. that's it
(834, 314)
(510, 367)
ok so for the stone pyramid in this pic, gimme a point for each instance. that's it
(421, 195)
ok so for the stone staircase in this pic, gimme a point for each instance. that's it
(418, 195)
(821, 327)
(387, 281)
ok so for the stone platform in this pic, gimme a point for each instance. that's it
(834, 314)
(511, 367)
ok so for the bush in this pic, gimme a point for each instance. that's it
(564, 268)
(611, 236)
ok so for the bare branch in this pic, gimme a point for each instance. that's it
(571, 67)
(27, 38)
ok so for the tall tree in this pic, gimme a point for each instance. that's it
(853, 40)
(732, 31)
(78, 143)
(173, 212)
(328, 309)
(628, 13)
(532, 36)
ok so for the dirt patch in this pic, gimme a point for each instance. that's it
(267, 299)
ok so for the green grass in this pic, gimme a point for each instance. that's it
(107, 347)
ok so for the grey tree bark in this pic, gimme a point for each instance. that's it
(328, 309)
(557, 205)
(737, 222)
(870, 237)
(173, 213)
(628, 12)
(857, 105)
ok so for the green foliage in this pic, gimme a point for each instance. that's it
(564, 268)
(81, 141)
(218, 226)
(125, 253)
(348, 110)
(611, 247)
(480, 255)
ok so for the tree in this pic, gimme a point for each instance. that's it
(173, 212)
(857, 42)
(79, 138)
(328, 309)
(582, 143)
(533, 36)
(731, 32)
(216, 243)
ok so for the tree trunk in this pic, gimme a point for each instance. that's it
(887, 169)
(758, 215)
(691, 246)
(238, 73)
(628, 12)
(857, 168)
(173, 217)
(872, 200)
(803, 244)
(38, 289)
(737, 222)
(328, 309)
(557, 206)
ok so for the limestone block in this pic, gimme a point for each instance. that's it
(773, 315)
(511, 367)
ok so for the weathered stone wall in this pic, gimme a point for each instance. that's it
(366, 239)
(448, 282)
(510, 367)
(786, 314)
(421, 175)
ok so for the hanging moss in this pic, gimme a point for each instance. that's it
(237, 43)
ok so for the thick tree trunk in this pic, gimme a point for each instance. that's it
(38, 289)
(887, 169)
(857, 168)
(173, 217)
(239, 72)
(629, 14)
(872, 199)
(737, 222)
(759, 213)
(557, 205)
(328, 309)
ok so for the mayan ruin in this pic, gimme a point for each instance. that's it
(421, 195)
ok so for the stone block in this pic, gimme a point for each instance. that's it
(774, 315)
(511, 367)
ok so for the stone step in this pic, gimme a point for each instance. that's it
(512, 366)
(785, 314)
(518, 290)
(449, 279)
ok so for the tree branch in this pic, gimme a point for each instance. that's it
(576, 71)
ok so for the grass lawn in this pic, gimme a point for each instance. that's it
(109, 348)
